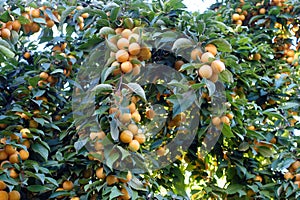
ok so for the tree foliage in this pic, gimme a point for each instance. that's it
(48, 53)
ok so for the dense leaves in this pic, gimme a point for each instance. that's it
(44, 147)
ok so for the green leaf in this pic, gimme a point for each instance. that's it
(222, 44)
(200, 27)
(233, 188)
(65, 14)
(288, 105)
(114, 13)
(59, 193)
(17, 11)
(244, 146)
(136, 184)
(37, 188)
(52, 181)
(32, 4)
(5, 43)
(41, 121)
(174, 4)
(102, 87)
(5, 17)
(90, 43)
(9, 180)
(274, 10)
(112, 47)
(91, 11)
(124, 152)
(80, 144)
(38, 102)
(114, 131)
(39, 20)
(197, 86)
(51, 15)
(177, 84)
(41, 177)
(181, 102)
(255, 134)
(273, 113)
(136, 88)
(210, 86)
(226, 130)
(55, 127)
(182, 43)
(254, 18)
(61, 71)
(41, 150)
(113, 157)
(101, 110)
(6, 52)
(115, 192)
(265, 151)
(188, 66)
(226, 76)
(223, 27)
(23, 20)
(38, 93)
(14, 37)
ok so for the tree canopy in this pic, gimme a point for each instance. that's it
(146, 100)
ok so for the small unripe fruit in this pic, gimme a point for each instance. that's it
(125, 118)
(97, 135)
(140, 137)
(217, 66)
(14, 195)
(126, 33)
(262, 11)
(277, 76)
(126, 67)
(205, 71)
(242, 17)
(225, 120)
(196, 54)
(216, 121)
(136, 70)
(3, 195)
(50, 23)
(288, 176)
(126, 136)
(134, 145)
(136, 116)
(235, 17)
(128, 178)
(24, 154)
(111, 179)
(122, 56)
(134, 49)
(206, 57)
(16, 25)
(2, 185)
(256, 56)
(214, 77)
(9, 149)
(133, 128)
(100, 173)
(123, 43)
(35, 13)
(178, 64)
(211, 48)
(26, 55)
(5, 33)
(14, 158)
